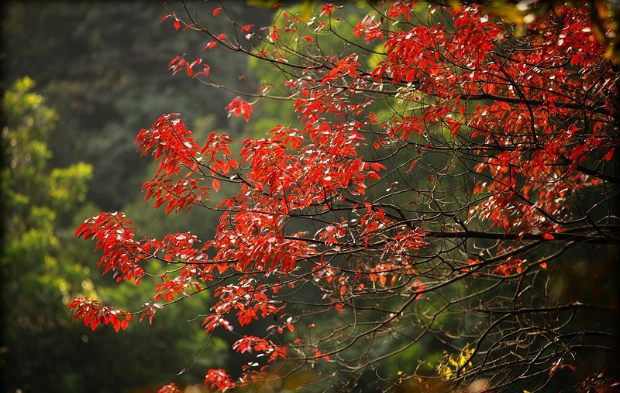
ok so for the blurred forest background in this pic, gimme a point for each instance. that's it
(79, 80)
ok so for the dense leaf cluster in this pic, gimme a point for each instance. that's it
(443, 166)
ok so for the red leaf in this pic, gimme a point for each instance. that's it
(177, 24)
(239, 106)
(116, 324)
(548, 236)
(216, 184)
(210, 45)
(216, 11)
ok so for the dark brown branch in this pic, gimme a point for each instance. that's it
(473, 97)
(526, 236)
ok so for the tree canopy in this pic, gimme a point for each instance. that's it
(440, 215)
(35, 198)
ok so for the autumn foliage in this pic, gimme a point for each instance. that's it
(445, 165)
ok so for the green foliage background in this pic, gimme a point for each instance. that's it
(80, 79)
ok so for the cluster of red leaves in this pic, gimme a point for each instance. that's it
(507, 108)
(248, 298)
(219, 380)
(368, 28)
(93, 314)
(525, 151)
(183, 164)
(170, 388)
(524, 191)
(114, 235)
(238, 106)
(178, 63)
(253, 343)
(510, 267)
